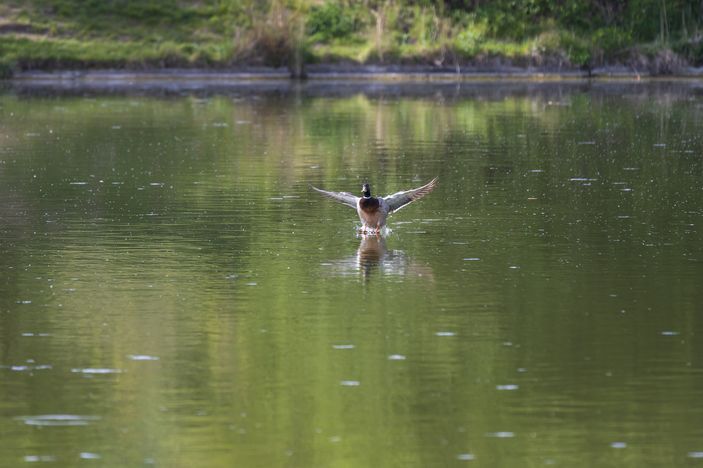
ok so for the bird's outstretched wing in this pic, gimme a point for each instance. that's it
(400, 199)
(342, 197)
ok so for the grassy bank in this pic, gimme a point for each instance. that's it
(656, 36)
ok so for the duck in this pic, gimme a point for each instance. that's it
(373, 211)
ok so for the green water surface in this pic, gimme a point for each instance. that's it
(173, 294)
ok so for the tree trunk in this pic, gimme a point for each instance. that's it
(380, 26)
(296, 62)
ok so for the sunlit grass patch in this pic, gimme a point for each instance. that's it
(49, 53)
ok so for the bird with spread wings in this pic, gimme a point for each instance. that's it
(373, 211)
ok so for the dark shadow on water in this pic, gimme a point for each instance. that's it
(162, 86)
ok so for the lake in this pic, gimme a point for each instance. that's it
(172, 293)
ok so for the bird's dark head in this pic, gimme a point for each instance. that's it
(366, 190)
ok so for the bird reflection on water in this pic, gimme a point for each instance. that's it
(373, 255)
(372, 251)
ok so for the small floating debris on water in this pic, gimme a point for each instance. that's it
(659, 145)
(582, 179)
(58, 420)
(343, 346)
(501, 434)
(350, 383)
(95, 370)
(670, 333)
(252, 283)
(618, 445)
(507, 387)
(78, 183)
(39, 458)
(465, 457)
(157, 184)
(220, 124)
(142, 357)
(514, 267)
(630, 168)
(472, 259)
(89, 456)
(28, 334)
(25, 368)
(445, 333)
(24, 302)
(396, 357)
(586, 142)
(695, 454)
(536, 171)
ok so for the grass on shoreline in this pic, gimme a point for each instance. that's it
(122, 34)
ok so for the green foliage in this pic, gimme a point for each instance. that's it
(511, 19)
(611, 40)
(468, 41)
(128, 33)
(578, 50)
(331, 21)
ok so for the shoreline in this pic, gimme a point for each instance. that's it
(333, 72)
(342, 81)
